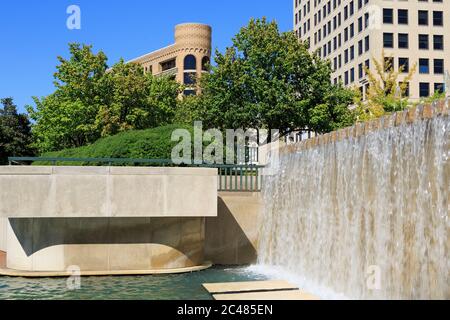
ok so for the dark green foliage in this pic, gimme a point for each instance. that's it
(15, 132)
(136, 144)
(91, 101)
(268, 79)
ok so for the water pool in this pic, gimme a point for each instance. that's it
(161, 287)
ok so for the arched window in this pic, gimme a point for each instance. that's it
(205, 63)
(190, 63)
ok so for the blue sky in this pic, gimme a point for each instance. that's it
(34, 33)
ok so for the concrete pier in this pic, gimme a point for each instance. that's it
(105, 220)
(257, 290)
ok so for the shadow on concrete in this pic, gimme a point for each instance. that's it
(35, 234)
(225, 241)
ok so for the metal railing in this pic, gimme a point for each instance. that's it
(231, 178)
(85, 161)
(238, 178)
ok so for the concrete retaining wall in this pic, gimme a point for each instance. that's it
(232, 237)
(428, 111)
(31, 192)
(440, 108)
(112, 244)
(105, 218)
(3, 224)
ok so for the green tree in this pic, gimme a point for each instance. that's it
(386, 92)
(15, 132)
(81, 77)
(67, 117)
(91, 101)
(137, 100)
(437, 96)
(268, 79)
(189, 109)
(163, 97)
(334, 112)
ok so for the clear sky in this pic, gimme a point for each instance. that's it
(34, 33)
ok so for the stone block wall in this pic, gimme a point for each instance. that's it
(427, 111)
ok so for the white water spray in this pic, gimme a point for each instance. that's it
(367, 216)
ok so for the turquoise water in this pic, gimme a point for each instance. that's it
(162, 287)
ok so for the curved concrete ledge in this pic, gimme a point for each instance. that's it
(31, 274)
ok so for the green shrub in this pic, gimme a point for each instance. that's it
(138, 144)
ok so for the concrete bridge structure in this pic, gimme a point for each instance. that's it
(105, 218)
(121, 220)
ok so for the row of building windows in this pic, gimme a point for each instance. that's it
(388, 18)
(424, 87)
(338, 2)
(403, 63)
(326, 10)
(403, 41)
(347, 34)
(331, 24)
(148, 69)
(349, 75)
(424, 65)
(363, 22)
(349, 54)
(190, 63)
(348, 31)
(422, 17)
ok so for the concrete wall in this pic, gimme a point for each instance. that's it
(3, 226)
(232, 237)
(408, 116)
(31, 191)
(105, 244)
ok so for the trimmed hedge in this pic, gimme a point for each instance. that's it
(137, 144)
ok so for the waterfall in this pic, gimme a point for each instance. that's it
(365, 216)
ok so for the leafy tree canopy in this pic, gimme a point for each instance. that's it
(386, 92)
(136, 101)
(268, 79)
(15, 132)
(92, 101)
